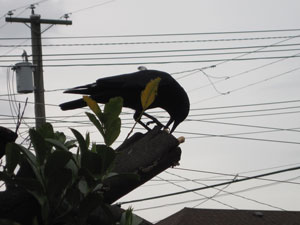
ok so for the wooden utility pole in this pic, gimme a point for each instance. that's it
(37, 60)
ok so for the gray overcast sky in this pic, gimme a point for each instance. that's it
(247, 71)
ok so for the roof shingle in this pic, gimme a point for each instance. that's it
(190, 216)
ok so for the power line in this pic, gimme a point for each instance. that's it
(162, 51)
(28, 5)
(241, 138)
(162, 34)
(243, 172)
(182, 187)
(239, 106)
(236, 117)
(246, 111)
(237, 134)
(242, 55)
(212, 186)
(46, 104)
(162, 62)
(247, 105)
(89, 7)
(152, 56)
(195, 200)
(227, 192)
(251, 126)
(254, 83)
(243, 73)
(156, 42)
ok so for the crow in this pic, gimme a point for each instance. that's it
(170, 95)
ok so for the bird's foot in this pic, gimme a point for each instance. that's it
(156, 122)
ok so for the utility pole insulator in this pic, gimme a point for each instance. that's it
(10, 13)
(32, 7)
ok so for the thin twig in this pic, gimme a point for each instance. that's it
(20, 115)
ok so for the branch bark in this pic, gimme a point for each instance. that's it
(146, 155)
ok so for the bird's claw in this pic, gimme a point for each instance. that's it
(149, 122)
(156, 122)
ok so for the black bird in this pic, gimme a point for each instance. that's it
(170, 95)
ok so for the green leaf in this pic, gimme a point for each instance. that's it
(46, 130)
(94, 148)
(89, 204)
(88, 182)
(12, 152)
(4, 177)
(56, 161)
(73, 166)
(31, 159)
(34, 187)
(60, 136)
(114, 107)
(108, 156)
(39, 145)
(83, 187)
(58, 182)
(113, 129)
(81, 141)
(70, 144)
(96, 123)
(111, 120)
(92, 162)
(73, 197)
(136, 220)
(8, 222)
(87, 139)
(57, 144)
(149, 93)
(128, 218)
(98, 187)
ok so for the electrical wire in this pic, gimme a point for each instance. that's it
(210, 186)
(214, 195)
(155, 42)
(163, 51)
(247, 105)
(150, 57)
(252, 84)
(90, 7)
(231, 136)
(159, 35)
(22, 7)
(161, 62)
(197, 193)
(252, 126)
(244, 111)
(221, 195)
(257, 50)
(238, 134)
(221, 174)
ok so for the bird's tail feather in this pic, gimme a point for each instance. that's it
(79, 103)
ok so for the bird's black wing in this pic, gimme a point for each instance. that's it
(137, 80)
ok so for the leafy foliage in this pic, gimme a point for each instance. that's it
(68, 186)
(108, 122)
(129, 219)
